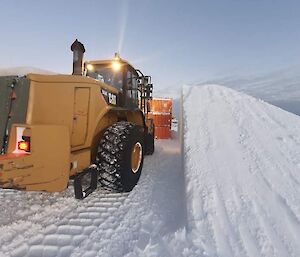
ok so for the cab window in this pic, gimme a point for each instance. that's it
(132, 87)
(104, 73)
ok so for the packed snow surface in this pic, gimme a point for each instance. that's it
(242, 167)
(103, 224)
(228, 186)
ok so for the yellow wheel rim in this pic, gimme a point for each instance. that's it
(136, 157)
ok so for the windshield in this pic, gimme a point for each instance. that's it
(107, 75)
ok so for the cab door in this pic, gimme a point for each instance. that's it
(80, 115)
(132, 88)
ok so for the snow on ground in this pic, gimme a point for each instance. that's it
(280, 85)
(22, 71)
(43, 224)
(242, 171)
(234, 192)
(280, 88)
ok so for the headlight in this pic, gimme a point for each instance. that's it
(116, 65)
(90, 67)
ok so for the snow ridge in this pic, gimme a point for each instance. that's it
(242, 174)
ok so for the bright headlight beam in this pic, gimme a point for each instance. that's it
(90, 67)
(116, 66)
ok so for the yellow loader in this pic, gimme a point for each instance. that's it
(90, 126)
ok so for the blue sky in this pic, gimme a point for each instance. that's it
(174, 41)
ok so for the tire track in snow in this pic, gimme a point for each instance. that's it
(215, 222)
(26, 213)
(256, 114)
(274, 165)
(248, 239)
(235, 126)
(222, 205)
(291, 157)
(64, 226)
(153, 209)
(202, 220)
(258, 178)
(248, 235)
(224, 201)
(246, 136)
(274, 246)
(20, 209)
(58, 233)
(293, 221)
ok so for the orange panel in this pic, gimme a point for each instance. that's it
(161, 105)
(162, 132)
(161, 119)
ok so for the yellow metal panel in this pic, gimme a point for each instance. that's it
(46, 168)
(80, 160)
(80, 116)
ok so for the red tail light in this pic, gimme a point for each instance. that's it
(24, 145)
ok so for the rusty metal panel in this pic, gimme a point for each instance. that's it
(162, 132)
(161, 105)
(14, 94)
(163, 119)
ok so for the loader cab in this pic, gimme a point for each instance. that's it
(119, 74)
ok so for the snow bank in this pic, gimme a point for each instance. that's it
(242, 171)
(22, 71)
(280, 85)
(280, 88)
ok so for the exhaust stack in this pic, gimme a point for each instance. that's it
(78, 50)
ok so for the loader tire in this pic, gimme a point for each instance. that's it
(120, 156)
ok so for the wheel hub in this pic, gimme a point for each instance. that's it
(136, 157)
